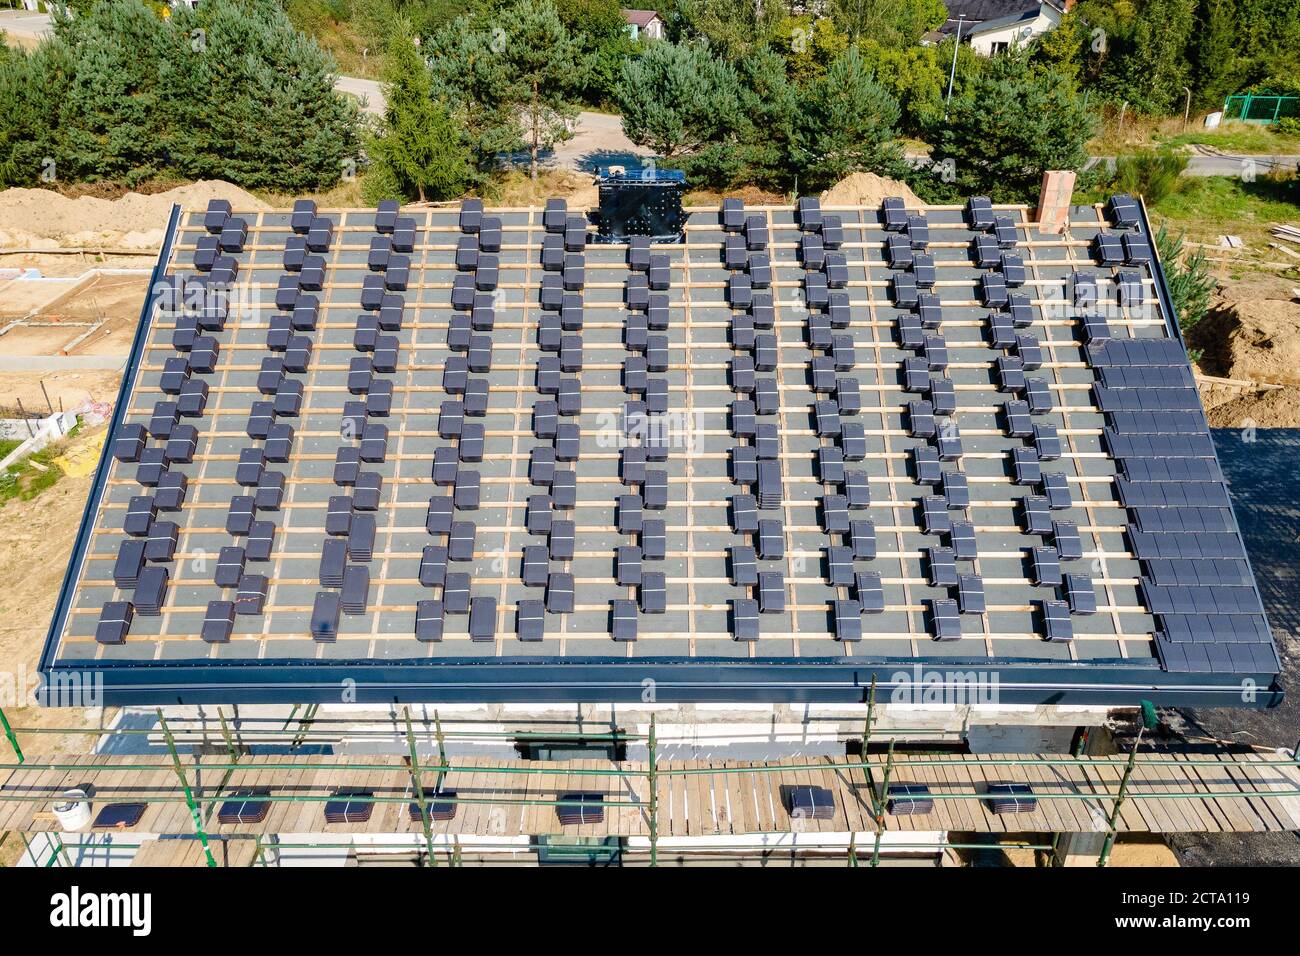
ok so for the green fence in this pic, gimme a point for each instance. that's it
(1257, 108)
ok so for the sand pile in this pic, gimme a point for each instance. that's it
(867, 189)
(42, 219)
(1275, 408)
(1252, 331)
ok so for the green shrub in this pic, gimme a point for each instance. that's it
(1287, 126)
(1189, 279)
(1153, 174)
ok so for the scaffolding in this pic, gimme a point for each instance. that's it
(1138, 791)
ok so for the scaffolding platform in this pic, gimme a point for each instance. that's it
(1166, 793)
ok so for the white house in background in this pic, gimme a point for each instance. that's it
(992, 26)
(644, 23)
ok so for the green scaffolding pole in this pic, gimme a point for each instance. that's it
(442, 748)
(230, 740)
(13, 738)
(871, 716)
(304, 726)
(232, 751)
(652, 778)
(880, 802)
(419, 792)
(1109, 843)
(185, 786)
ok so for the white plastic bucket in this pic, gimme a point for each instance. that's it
(73, 810)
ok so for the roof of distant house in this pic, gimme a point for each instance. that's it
(642, 18)
(985, 11)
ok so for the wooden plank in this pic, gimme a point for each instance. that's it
(27, 783)
(840, 822)
(1280, 778)
(980, 777)
(1264, 779)
(701, 808)
(749, 820)
(681, 804)
(1199, 808)
(310, 814)
(1212, 781)
(1255, 809)
(1171, 780)
(290, 783)
(847, 794)
(1071, 813)
(1106, 781)
(948, 778)
(1146, 783)
(713, 786)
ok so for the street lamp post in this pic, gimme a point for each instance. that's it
(952, 73)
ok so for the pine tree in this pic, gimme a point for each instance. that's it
(472, 79)
(261, 110)
(114, 116)
(420, 151)
(1013, 122)
(541, 64)
(677, 98)
(849, 122)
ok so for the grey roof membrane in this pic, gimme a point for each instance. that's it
(1048, 473)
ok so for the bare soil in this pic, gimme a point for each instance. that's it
(114, 301)
(1252, 332)
(67, 264)
(72, 388)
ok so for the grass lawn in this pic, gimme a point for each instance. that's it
(1146, 133)
(1213, 206)
(35, 473)
(31, 476)
(1239, 138)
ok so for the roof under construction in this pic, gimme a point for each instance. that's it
(452, 453)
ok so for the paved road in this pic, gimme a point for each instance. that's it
(598, 141)
(61, 363)
(25, 23)
(1208, 162)
(368, 91)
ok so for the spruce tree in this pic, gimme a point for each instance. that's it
(420, 152)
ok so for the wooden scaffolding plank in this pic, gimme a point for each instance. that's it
(1212, 780)
(1200, 808)
(1256, 809)
(1279, 778)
